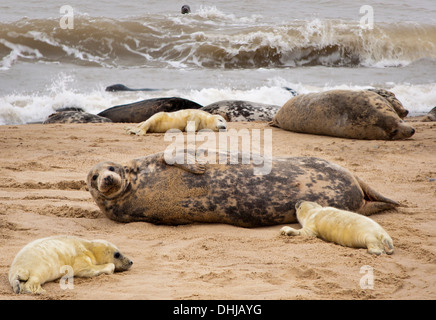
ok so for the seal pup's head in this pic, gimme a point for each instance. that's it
(302, 209)
(107, 179)
(216, 122)
(105, 252)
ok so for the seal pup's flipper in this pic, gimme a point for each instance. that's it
(374, 201)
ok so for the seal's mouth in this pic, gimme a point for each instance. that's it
(115, 191)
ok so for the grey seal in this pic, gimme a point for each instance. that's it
(150, 189)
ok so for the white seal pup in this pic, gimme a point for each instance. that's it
(43, 260)
(163, 121)
(340, 226)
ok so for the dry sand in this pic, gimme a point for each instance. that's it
(43, 192)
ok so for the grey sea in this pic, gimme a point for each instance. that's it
(58, 54)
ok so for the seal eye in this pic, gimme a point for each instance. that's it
(111, 169)
(117, 255)
(94, 177)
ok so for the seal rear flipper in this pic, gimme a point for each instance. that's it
(372, 195)
(371, 207)
(18, 279)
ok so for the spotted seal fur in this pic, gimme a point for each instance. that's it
(240, 110)
(152, 190)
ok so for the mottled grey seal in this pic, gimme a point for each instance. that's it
(343, 113)
(75, 117)
(122, 87)
(46, 260)
(142, 110)
(340, 226)
(151, 190)
(239, 110)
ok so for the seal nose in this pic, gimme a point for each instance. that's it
(108, 180)
(412, 132)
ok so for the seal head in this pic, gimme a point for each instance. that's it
(186, 9)
(107, 180)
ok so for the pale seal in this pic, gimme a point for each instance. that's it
(75, 117)
(343, 113)
(342, 227)
(142, 110)
(239, 110)
(150, 189)
(46, 259)
(181, 120)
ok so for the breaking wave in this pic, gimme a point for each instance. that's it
(211, 39)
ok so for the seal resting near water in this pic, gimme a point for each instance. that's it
(75, 117)
(239, 110)
(343, 113)
(163, 189)
(342, 227)
(44, 260)
(142, 110)
(163, 121)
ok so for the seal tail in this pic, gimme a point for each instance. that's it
(15, 280)
(374, 201)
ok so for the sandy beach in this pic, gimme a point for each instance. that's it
(43, 192)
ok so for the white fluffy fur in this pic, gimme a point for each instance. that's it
(164, 121)
(342, 227)
(41, 261)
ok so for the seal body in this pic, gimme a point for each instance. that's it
(151, 190)
(142, 110)
(75, 117)
(342, 227)
(164, 121)
(44, 260)
(343, 113)
(239, 110)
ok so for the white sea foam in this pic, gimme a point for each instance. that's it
(21, 108)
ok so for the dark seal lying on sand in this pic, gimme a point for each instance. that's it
(142, 110)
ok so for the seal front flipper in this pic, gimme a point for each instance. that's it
(186, 161)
